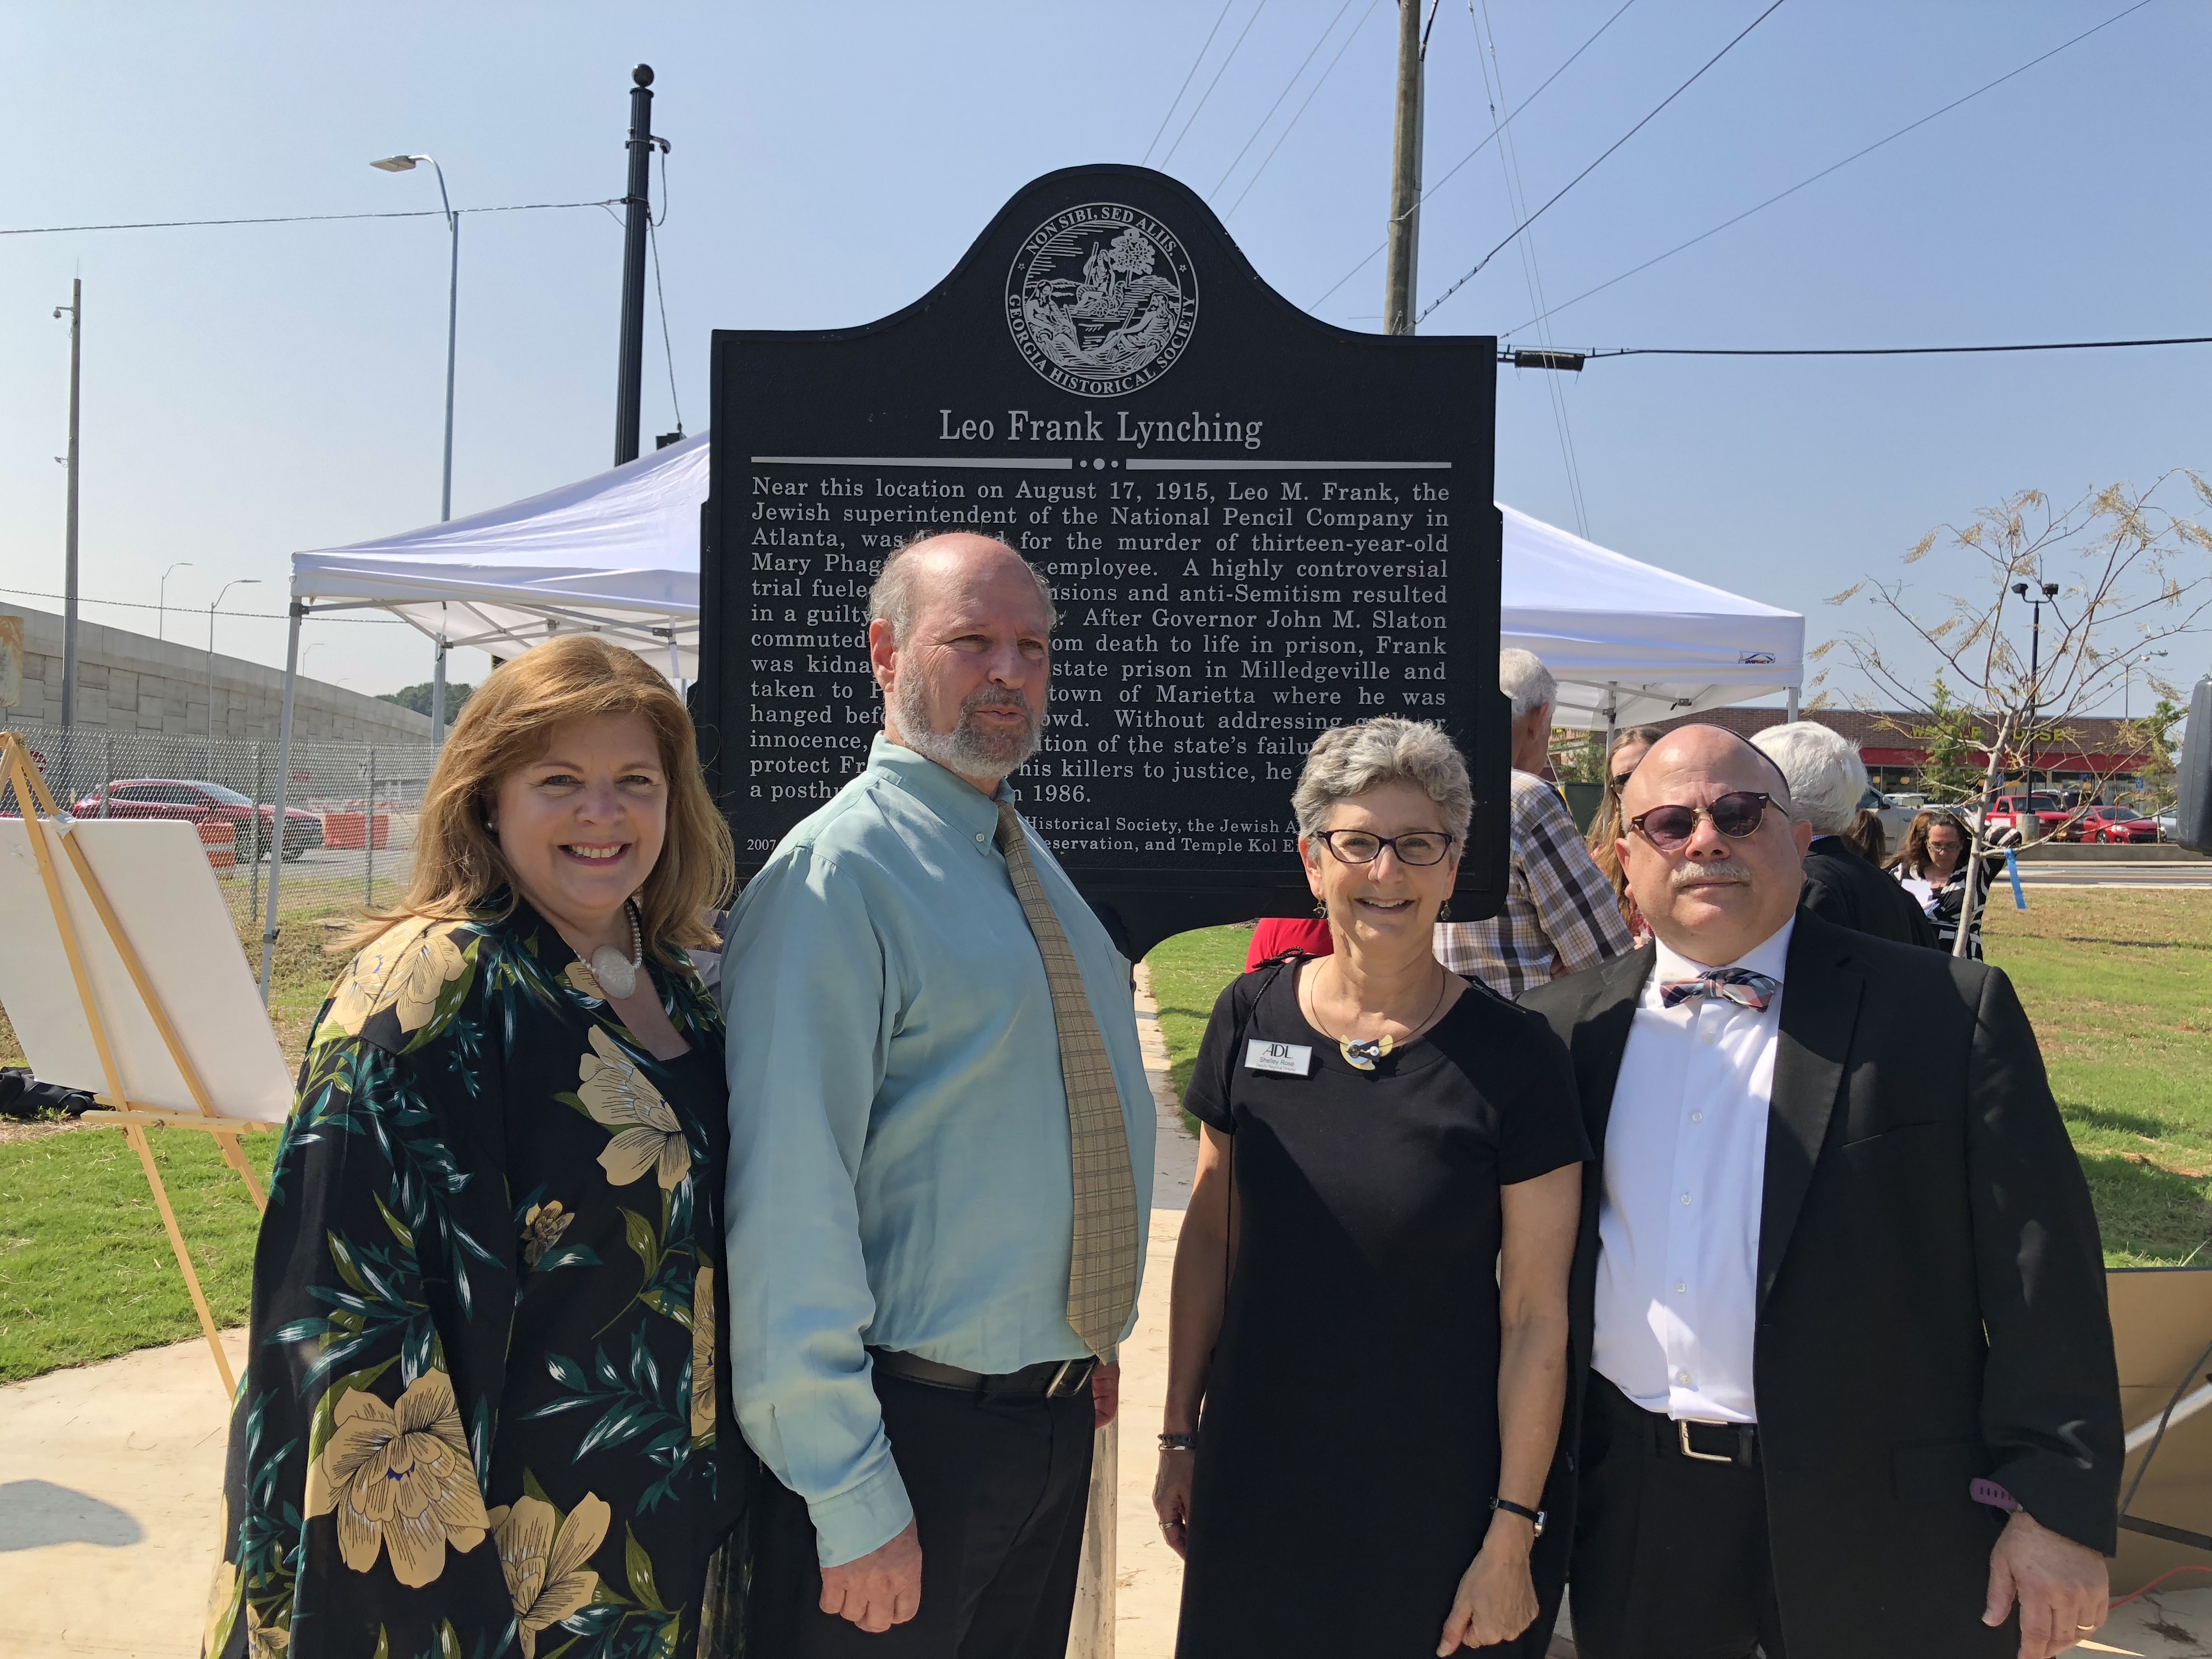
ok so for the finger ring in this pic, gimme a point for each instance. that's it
(2085, 1627)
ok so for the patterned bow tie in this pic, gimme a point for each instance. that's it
(1737, 985)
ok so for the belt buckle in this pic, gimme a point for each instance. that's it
(1682, 1425)
(1054, 1390)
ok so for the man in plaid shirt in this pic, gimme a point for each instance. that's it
(1560, 916)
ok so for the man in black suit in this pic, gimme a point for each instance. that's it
(1846, 1382)
(1827, 781)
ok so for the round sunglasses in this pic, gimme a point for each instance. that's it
(1736, 814)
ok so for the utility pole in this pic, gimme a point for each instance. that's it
(637, 214)
(1398, 276)
(76, 309)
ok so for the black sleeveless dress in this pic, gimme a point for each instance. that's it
(1348, 1449)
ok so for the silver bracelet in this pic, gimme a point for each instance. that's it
(1178, 1443)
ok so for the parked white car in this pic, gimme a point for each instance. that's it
(1896, 820)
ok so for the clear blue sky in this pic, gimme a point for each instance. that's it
(252, 391)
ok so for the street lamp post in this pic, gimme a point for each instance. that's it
(2050, 592)
(162, 610)
(406, 164)
(2127, 677)
(242, 581)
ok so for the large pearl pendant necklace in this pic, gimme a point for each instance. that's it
(617, 975)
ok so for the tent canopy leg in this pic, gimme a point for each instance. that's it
(278, 824)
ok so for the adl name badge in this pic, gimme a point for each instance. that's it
(1291, 1059)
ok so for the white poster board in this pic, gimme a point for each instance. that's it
(159, 885)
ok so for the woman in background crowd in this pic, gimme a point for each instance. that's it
(482, 1412)
(1368, 1348)
(1605, 832)
(1867, 838)
(1932, 868)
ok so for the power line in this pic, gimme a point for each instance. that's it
(1279, 96)
(1463, 160)
(1509, 163)
(1198, 108)
(1833, 165)
(1296, 119)
(668, 351)
(1594, 166)
(299, 218)
(1204, 47)
(1574, 360)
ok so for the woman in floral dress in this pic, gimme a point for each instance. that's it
(482, 1405)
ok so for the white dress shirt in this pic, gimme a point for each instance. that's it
(1685, 1178)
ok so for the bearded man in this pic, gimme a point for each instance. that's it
(940, 1158)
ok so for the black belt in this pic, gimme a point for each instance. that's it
(1695, 1438)
(1049, 1379)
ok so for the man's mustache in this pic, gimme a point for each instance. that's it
(1725, 870)
(998, 701)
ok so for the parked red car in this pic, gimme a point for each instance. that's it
(197, 802)
(2113, 825)
(2023, 817)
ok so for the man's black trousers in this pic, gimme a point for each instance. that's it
(998, 1487)
(1670, 1552)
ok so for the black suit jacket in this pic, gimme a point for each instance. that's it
(1931, 1287)
(1842, 887)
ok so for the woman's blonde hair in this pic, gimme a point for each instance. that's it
(1604, 837)
(506, 724)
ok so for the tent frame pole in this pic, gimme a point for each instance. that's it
(278, 823)
(438, 689)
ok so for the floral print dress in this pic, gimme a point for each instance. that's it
(480, 1411)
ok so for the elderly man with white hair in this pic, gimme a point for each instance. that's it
(1827, 781)
(1560, 916)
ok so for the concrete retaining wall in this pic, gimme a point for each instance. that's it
(129, 681)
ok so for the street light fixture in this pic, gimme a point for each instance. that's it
(2127, 678)
(406, 164)
(162, 610)
(240, 581)
(2048, 596)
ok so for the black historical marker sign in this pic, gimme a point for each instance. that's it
(1255, 526)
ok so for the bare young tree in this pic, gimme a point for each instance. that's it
(2112, 576)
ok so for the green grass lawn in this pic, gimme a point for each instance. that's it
(2119, 986)
(1187, 974)
(85, 1271)
(85, 1268)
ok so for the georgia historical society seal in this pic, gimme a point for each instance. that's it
(1102, 299)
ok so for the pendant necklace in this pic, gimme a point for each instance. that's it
(1362, 1056)
(617, 974)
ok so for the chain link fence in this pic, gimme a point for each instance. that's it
(349, 808)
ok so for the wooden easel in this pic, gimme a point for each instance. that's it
(21, 773)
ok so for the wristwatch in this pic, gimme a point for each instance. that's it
(1535, 1517)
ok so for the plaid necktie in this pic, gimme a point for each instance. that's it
(1737, 985)
(1102, 1273)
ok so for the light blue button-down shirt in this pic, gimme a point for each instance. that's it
(899, 1148)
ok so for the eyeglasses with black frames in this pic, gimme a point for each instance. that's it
(1736, 815)
(1416, 846)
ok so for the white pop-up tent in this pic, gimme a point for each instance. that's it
(616, 555)
(1630, 642)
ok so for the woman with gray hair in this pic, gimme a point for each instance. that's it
(1367, 1348)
